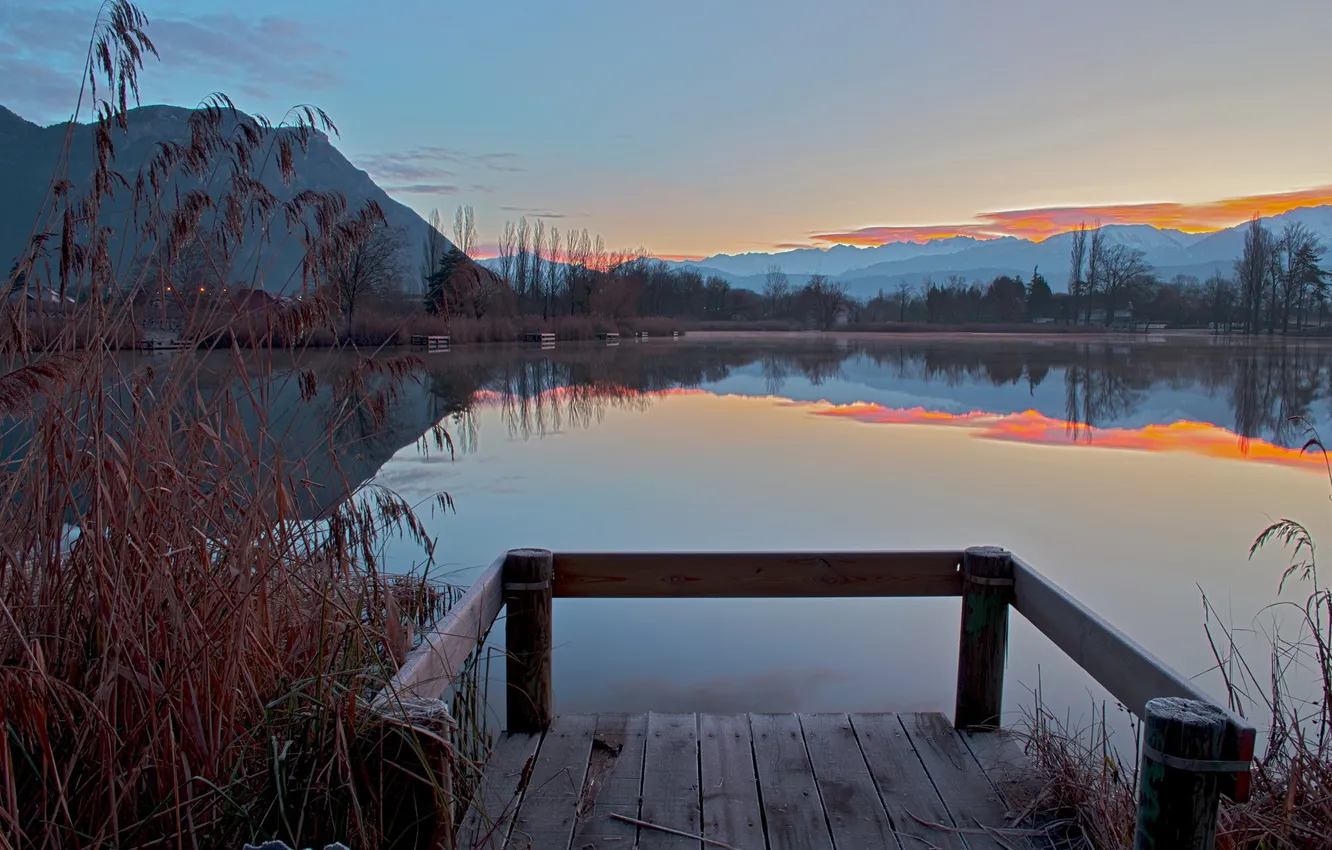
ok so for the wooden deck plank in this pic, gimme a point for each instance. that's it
(614, 782)
(670, 781)
(490, 817)
(856, 816)
(957, 776)
(731, 812)
(546, 816)
(787, 787)
(903, 784)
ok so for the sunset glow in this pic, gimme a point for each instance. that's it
(1040, 224)
(1032, 427)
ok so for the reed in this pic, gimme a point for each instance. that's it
(190, 654)
(1087, 788)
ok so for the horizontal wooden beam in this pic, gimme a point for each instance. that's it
(756, 574)
(1122, 666)
(434, 665)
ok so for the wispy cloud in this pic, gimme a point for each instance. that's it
(423, 189)
(1042, 223)
(42, 47)
(538, 212)
(680, 258)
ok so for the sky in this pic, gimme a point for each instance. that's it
(706, 126)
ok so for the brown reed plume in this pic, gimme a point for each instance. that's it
(192, 627)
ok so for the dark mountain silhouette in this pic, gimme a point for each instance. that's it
(28, 154)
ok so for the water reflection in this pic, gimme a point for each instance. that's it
(1258, 391)
(1098, 393)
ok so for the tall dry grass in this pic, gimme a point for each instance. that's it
(188, 653)
(1087, 788)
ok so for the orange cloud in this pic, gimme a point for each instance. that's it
(1033, 427)
(679, 258)
(1040, 224)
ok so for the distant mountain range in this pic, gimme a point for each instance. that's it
(28, 154)
(867, 270)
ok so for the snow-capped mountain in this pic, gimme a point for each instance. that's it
(867, 270)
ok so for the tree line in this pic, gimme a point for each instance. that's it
(1277, 284)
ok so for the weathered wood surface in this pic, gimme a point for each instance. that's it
(500, 793)
(528, 638)
(1122, 666)
(731, 812)
(967, 793)
(550, 806)
(753, 782)
(903, 783)
(746, 574)
(670, 781)
(987, 589)
(1177, 805)
(614, 782)
(432, 667)
(855, 814)
(789, 791)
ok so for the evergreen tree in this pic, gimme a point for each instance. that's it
(1039, 296)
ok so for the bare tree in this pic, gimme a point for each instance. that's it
(904, 292)
(371, 265)
(522, 249)
(464, 229)
(552, 284)
(1252, 270)
(1095, 271)
(1123, 269)
(538, 274)
(1298, 253)
(508, 244)
(825, 299)
(1077, 256)
(776, 289)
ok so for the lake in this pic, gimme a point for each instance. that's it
(1134, 472)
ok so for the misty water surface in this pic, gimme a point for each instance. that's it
(1136, 473)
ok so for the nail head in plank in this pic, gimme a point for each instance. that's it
(787, 787)
(731, 812)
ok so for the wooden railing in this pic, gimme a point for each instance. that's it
(1193, 750)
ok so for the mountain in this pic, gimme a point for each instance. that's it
(1171, 252)
(835, 260)
(28, 154)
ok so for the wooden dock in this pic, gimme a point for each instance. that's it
(832, 781)
(776, 781)
(430, 342)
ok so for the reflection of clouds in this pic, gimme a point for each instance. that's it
(1038, 429)
(777, 688)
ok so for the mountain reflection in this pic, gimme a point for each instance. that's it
(1218, 397)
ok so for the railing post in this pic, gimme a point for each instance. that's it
(528, 578)
(1180, 773)
(987, 588)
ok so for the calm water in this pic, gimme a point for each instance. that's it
(1134, 474)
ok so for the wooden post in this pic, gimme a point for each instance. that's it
(1180, 774)
(528, 586)
(987, 588)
